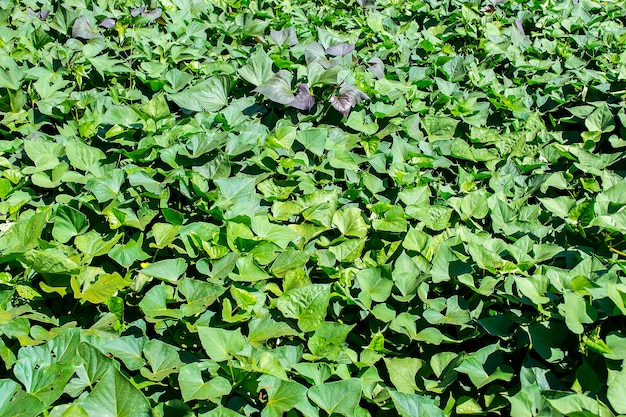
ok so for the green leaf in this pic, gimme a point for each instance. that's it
(193, 386)
(327, 341)
(350, 222)
(600, 120)
(402, 372)
(577, 312)
(616, 392)
(163, 359)
(264, 328)
(221, 344)
(108, 187)
(128, 253)
(92, 244)
(45, 383)
(357, 121)
(439, 127)
(154, 303)
(199, 295)
(128, 349)
(282, 396)
(258, 68)
(49, 261)
(68, 223)
(375, 284)
(115, 396)
(411, 405)
(22, 235)
(341, 397)
(308, 304)
(288, 261)
(278, 234)
(16, 403)
(83, 156)
(106, 286)
(94, 362)
(166, 269)
(209, 95)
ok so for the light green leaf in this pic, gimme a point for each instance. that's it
(49, 261)
(439, 127)
(209, 95)
(166, 269)
(402, 372)
(105, 287)
(83, 156)
(375, 283)
(350, 222)
(258, 69)
(308, 304)
(68, 223)
(616, 392)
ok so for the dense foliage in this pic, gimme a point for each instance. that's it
(306, 208)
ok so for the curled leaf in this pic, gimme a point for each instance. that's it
(41, 15)
(376, 66)
(303, 100)
(520, 27)
(137, 11)
(286, 36)
(341, 49)
(83, 28)
(154, 14)
(143, 11)
(107, 23)
(367, 4)
(278, 88)
(348, 98)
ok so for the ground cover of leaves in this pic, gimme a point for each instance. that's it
(312, 208)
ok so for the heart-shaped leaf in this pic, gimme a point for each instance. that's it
(83, 28)
(349, 97)
(341, 49)
(303, 100)
(376, 66)
(286, 36)
(278, 88)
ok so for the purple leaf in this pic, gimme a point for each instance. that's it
(143, 11)
(155, 14)
(303, 99)
(137, 11)
(376, 66)
(367, 4)
(43, 14)
(342, 103)
(107, 23)
(341, 49)
(349, 97)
